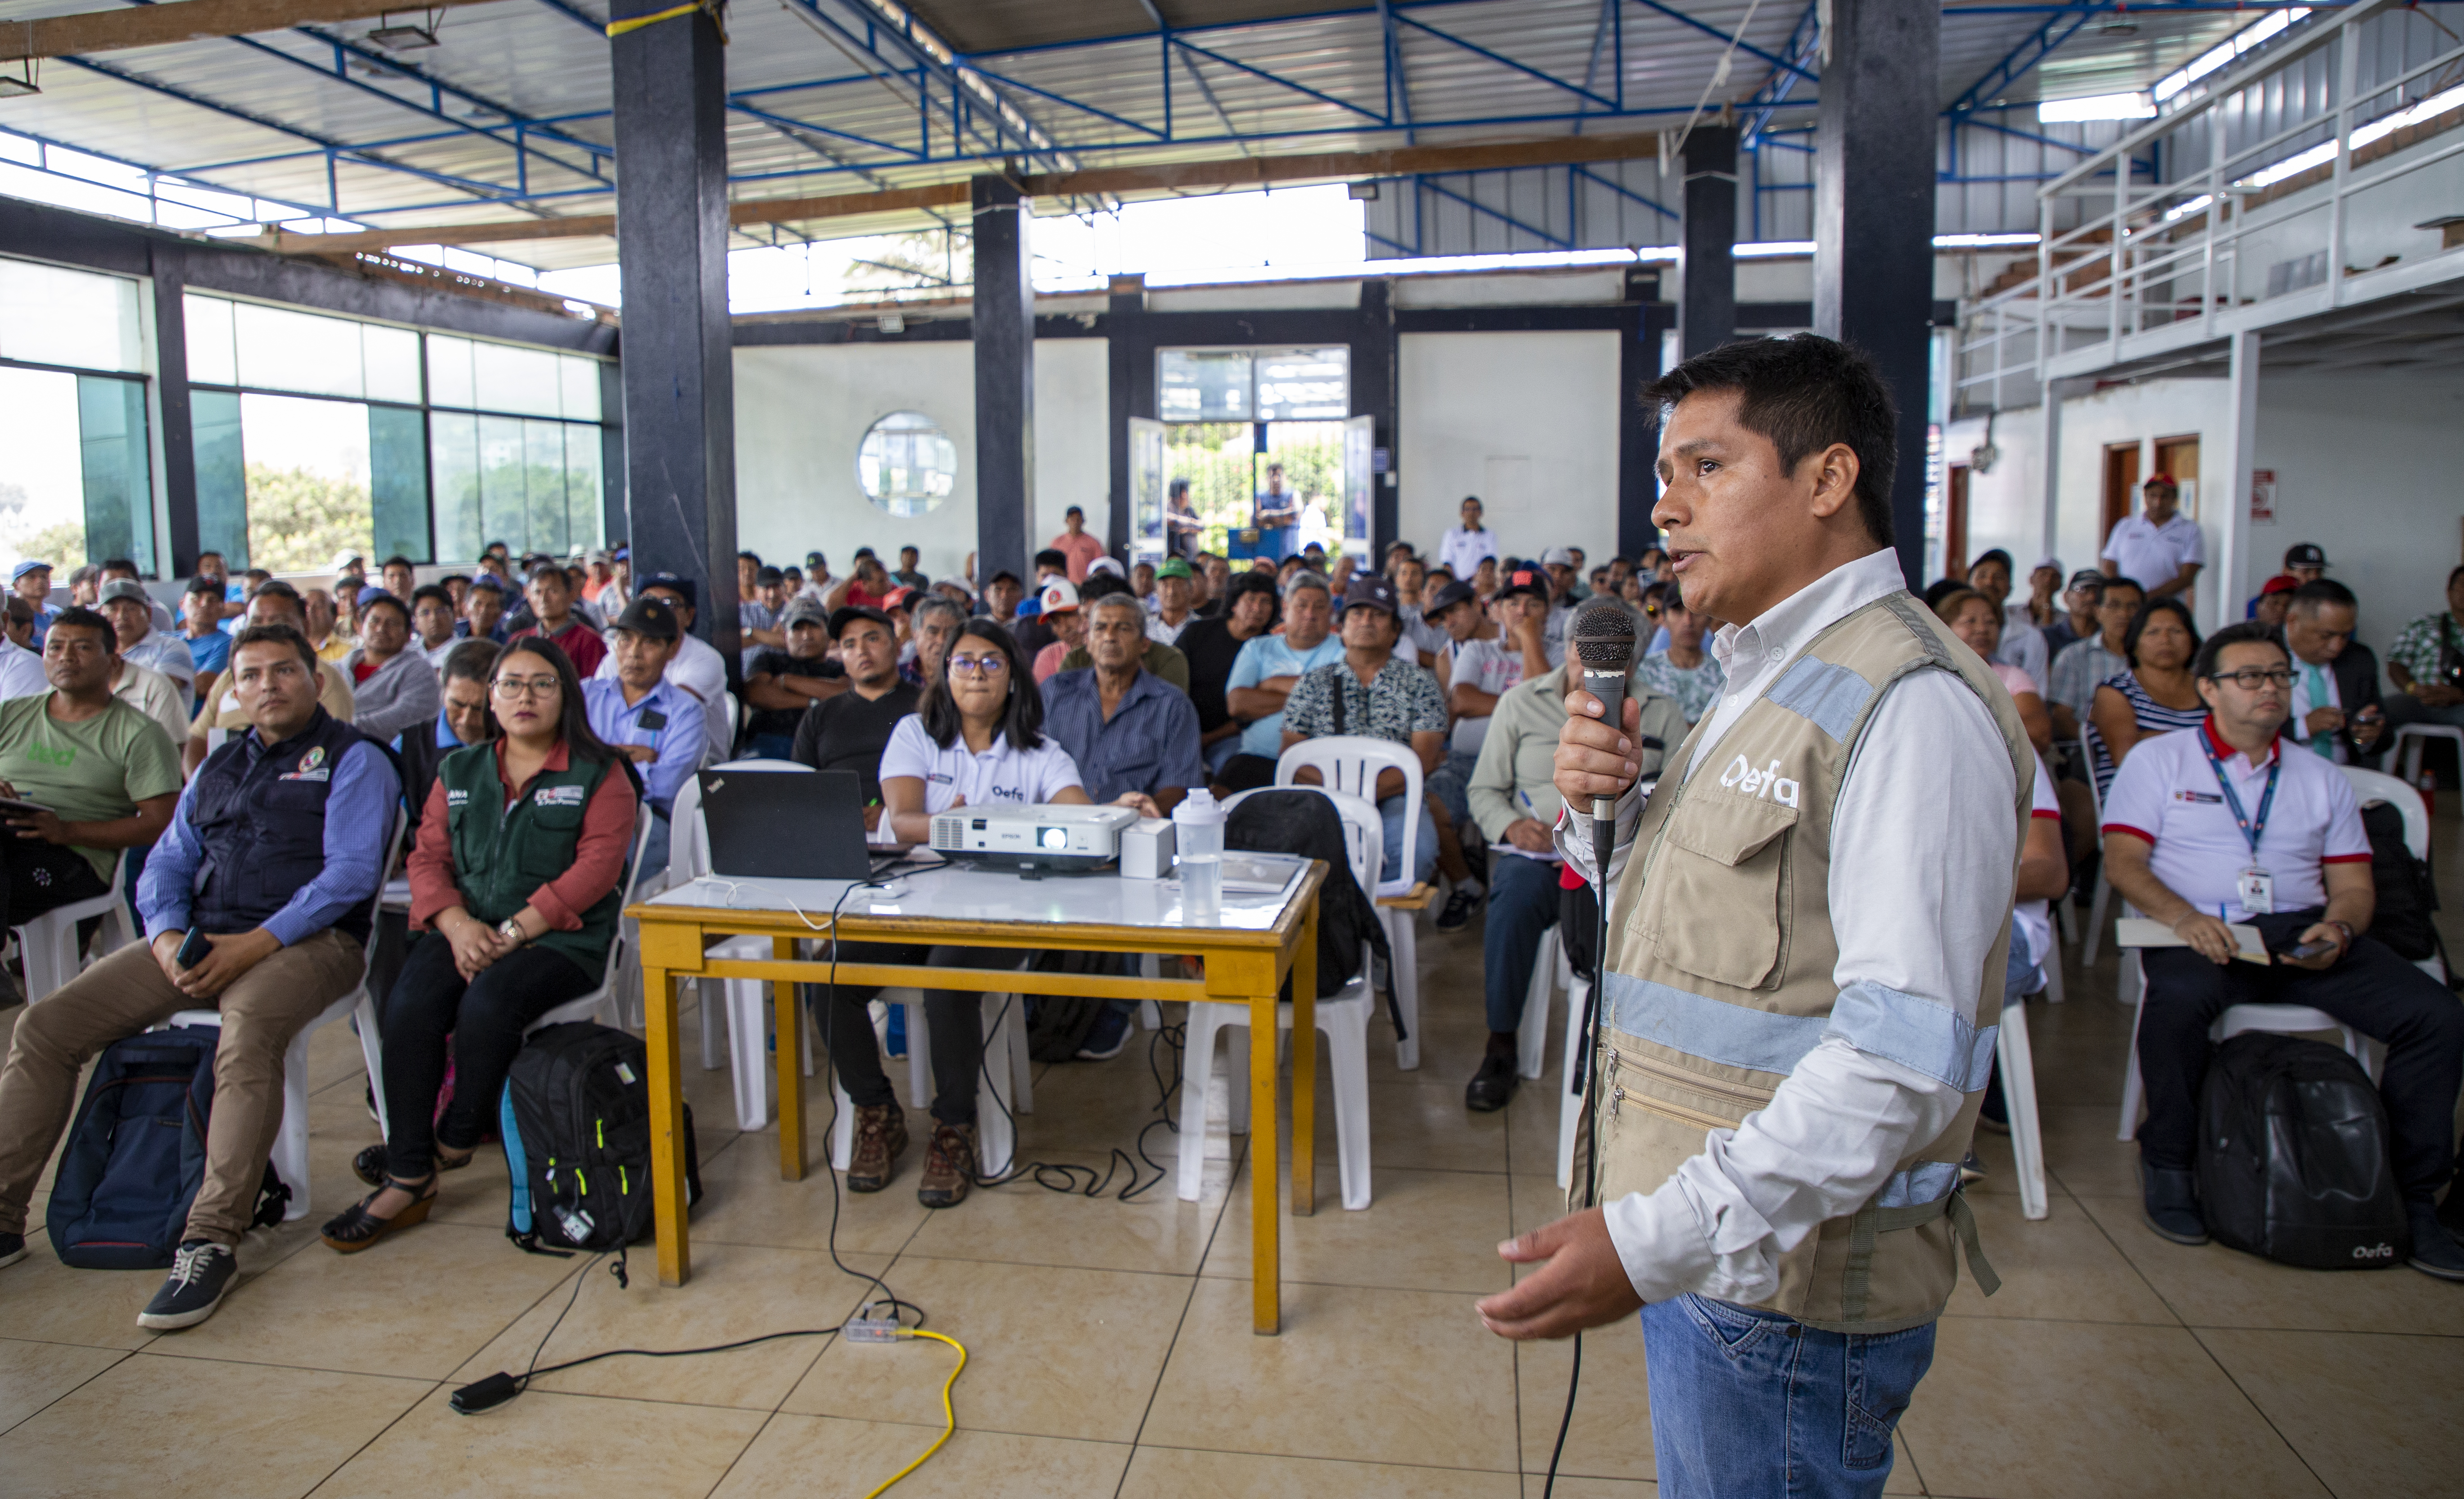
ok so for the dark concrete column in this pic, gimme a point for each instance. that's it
(613, 515)
(1639, 348)
(1129, 364)
(1376, 392)
(1004, 328)
(1873, 218)
(670, 91)
(1708, 318)
(170, 277)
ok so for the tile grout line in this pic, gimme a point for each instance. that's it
(125, 1354)
(1181, 1323)
(2259, 1410)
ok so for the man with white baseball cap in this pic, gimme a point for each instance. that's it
(1057, 606)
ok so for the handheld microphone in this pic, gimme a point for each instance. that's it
(1602, 640)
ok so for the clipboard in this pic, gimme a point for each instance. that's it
(2142, 932)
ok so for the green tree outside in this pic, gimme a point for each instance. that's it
(298, 518)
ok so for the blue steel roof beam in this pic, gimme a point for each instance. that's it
(1503, 60)
(904, 30)
(1624, 191)
(1066, 102)
(1398, 83)
(1783, 65)
(1607, 29)
(906, 157)
(1499, 214)
(916, 69)
(2025, 57)
(1764, 101)
(177, 177)
(1974, 123)
(332, 149)
(1239, 66)
(578, 16)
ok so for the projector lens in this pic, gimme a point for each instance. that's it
(1054, 838)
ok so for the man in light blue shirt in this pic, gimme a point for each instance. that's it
(649, 719)
(1264, 673)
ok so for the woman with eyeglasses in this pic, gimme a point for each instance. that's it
(975, 737)
(2157, 695)
(514, 885)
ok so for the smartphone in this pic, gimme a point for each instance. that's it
(193, 948)
(10, 805)
(2309, 949)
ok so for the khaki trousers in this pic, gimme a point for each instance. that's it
(127, 992)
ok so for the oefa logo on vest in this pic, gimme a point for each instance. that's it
(312, 766)
(1766, 784)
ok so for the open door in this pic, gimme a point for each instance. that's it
(1359, 440)
(1146, 491)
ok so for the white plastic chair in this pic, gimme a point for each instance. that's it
(48, 942)
(291, 1144)
(2018, 1061)
(1549, 971)
(2406, 746)
(2104, 887)
(1343, 1016)
(1004, 1085)
(597, 1005)
(741, 1007)
(1350, 763)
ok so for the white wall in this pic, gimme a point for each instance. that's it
(1527, 421)
(802, 412)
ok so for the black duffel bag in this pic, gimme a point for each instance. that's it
(2292, 1156)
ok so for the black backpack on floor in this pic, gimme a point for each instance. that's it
(137, 1155)
(577, 1130)
(2405, 893)
(2292, 1156)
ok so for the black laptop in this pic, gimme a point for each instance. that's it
(789, 825)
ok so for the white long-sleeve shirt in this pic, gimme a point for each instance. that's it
(1924, 840)
(1461, 550)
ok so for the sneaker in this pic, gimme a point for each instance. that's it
(880, 1139)
(1459, 907)
(200, 1273)
(2434, 1250)
(949, 1166)
(2171, 1205)
(1106, 1038)
(12, 1248)
(1493, 1085)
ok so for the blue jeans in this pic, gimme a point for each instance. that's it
(770, 746)
(654, 852)
(1424, 857)
(1451, 785)
(1754, 1402)
(1522, 901)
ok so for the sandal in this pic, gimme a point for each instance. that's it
(369, 1165)
(355, 1228)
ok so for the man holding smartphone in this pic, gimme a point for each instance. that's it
(645, 718)
(257, 902)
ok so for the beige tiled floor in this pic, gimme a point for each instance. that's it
(1109, 1341)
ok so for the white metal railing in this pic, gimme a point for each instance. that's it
(2270, 228)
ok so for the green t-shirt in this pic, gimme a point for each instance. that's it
(89, 772)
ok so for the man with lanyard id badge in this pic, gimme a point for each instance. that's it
(2209, 828)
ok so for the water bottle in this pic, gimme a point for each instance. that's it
(1197, 839)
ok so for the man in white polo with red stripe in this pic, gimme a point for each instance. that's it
(2219, 825)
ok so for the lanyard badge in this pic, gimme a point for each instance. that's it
(2253, 887)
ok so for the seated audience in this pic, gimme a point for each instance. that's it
(2075, 619)
(393, 688)
(1413, 596)
(1475, 672)
(1160, 660)
(432, 624)
(647, 718)
(975, 739)
(274, 603)
(1516, 799)
(2274, 599)
(761, 615)
(21, 671)
(32, 581)
(326, 630)
(2335, 710)
(1264, 673)
(2021, 645)
(483, 610)
(1130, 735)
(1175, 596)
(502, 940)
(2426, 665)
(1681, 669)
(201, 619)
(130, 608)
(463, 719)
(1057, 612)
(697, 668)
(849, 729)
(2093, 659)
(1217, 575)
(1212, 645)
(782, 685)
(1002, 597)
(152, 693)
(2281, 848)
(277, 871)
(934, 622)
(1975, 620)
(117, 569)
(1033, 631)
(552, 618)
(2157, 695)
(907, 572)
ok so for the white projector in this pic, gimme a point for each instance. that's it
(1032, 837)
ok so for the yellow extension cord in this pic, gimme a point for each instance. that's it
(949, 1416)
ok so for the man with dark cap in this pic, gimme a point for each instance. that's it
(647, 718)
(696, 667)
(850, 730)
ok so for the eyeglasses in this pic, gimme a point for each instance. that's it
(2251, 679)
(527, 686)
(978, 665)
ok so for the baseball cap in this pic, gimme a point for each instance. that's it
(897, 598)
(1557, 557)
(2043, 562)
(2086, 578)
(849, 613)
(122, 589)
(1371, 589)
(490, 581)
(623, 554)
(655, 618)
(1173, 567)
(2160, 481)
(29, 566)
(342, 560)
(1447, 598)
(683, 587)
(804, 611)
(2281, 582)
(1058, 595)
(2305, 554)
(1523, 581)
(369, 594)
(1104, 565)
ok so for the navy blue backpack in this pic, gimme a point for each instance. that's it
(137, 1155)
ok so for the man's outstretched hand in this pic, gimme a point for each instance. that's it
(1582, 1285)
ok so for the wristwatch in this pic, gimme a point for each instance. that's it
(2346, 927)
(511, 929)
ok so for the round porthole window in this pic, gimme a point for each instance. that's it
(907, 465)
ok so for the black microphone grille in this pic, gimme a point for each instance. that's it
(1603, 635)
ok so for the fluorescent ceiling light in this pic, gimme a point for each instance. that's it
(2225, 51)
(1982, 241)
(1774, 247)
(2102, 106)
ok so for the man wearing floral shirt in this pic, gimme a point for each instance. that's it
(2426, 663)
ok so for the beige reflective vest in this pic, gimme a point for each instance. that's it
(1720, 959)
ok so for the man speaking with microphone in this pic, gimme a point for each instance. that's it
(1806, 930)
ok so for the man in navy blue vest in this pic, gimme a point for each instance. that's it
(273, 854)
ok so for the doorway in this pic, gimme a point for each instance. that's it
(2179, 456)
(2120, 487)
(1226, 464)
(1954, 522)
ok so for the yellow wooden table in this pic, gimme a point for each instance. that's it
(1261, 941)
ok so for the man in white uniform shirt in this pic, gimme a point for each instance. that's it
(1831, 1035)
(1462, 549)
(2227, 823)
(2159, 547)
(697, 668)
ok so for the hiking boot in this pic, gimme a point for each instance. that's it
(880, 1139)
(200, 1273)
(949, 1166)
(2434, 1250)
(1459, 907)
(2171, 1207)
(12, 1248)
(1106, 1038)
(1493, 1085)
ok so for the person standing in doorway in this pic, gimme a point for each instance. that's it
(1810, 969)
(2160, 546)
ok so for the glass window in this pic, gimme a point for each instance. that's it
(398, 483)
(1202, 386)
(584, 503)
(42, 489)
(222, 474)
(117, 469)
(1304, 384)
(390, 357)
(211, 361)
(50, 315)
(307, 480)
(449, 373)
(503, 502)
(507, 377)
(580, 378)
(907, 464)
(454, 470)
(280, 350)
(544, 485)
